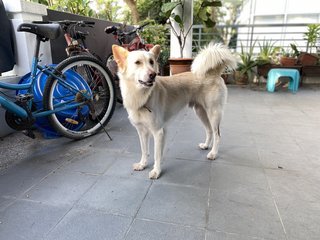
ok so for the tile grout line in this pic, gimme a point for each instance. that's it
(170, 223)
(207, 216)
(135, 215)
(274, 200)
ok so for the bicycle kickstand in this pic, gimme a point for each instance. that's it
(29, 133)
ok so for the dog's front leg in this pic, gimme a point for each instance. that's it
(159, 137)
(144, 136)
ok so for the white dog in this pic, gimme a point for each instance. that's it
(152, 100)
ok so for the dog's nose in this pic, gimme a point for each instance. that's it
(152, 76)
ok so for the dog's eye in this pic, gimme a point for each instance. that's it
(137, 62)
(151, 62)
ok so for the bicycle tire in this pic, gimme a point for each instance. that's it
(89, 76)
(113, 68)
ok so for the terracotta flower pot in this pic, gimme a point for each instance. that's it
(179, 65)
(288, 61)
(241, 79)
(307, 59)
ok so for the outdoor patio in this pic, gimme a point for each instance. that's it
(263, 185)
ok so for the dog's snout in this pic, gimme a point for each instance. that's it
(152, 76)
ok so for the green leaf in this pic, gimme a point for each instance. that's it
(209, 23)
(178, 19)
(211, 4)
(203, 14)
(168, 7)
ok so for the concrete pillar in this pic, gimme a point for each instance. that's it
(188, 21)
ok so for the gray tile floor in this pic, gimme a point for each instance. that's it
(264, 184)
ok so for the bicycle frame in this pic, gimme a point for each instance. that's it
(21, 112)
(69, 31)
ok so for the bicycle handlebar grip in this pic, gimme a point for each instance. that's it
(110, 29)
(88, 22)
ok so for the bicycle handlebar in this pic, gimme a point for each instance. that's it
(117, 31)
(68, 23)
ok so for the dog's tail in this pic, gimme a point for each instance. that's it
(213, 59)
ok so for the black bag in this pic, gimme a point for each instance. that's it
(7, 58)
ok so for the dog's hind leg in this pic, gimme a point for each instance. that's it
(159, 138)
(144, 137)
(215, 119)
(202, 114)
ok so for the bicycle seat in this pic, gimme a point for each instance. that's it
(43, 30)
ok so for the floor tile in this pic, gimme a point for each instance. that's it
(225, 177)
(238, 155)
(93, 162)
(248, 213)
(29, 220)
(300, 218)
(147, 230)
(116, 195)
(286, 185)
(215, 235)
(262, 185)
(61, 188)
(175, 204)
(191, 173)
(80, 224)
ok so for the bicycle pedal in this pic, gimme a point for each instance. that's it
(29, 133)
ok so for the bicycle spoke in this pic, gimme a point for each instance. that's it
(93, 94)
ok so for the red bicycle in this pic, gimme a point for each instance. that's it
(137, 43)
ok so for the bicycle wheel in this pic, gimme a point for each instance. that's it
(88, 77)
(113, 68)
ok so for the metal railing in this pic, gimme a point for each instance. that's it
(282, 35)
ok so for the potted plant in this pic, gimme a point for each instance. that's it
(246, 67)
(289, 56)
(267, 57)
(311, 36)
(176, 21)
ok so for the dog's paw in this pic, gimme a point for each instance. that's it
(138, 166)
(154, 174)
(203, 146)
(211, 155)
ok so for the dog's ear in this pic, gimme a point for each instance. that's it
(155, 51)
(120, 54)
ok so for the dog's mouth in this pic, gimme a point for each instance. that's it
(146, 84)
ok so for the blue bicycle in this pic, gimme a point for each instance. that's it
(75, 98)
